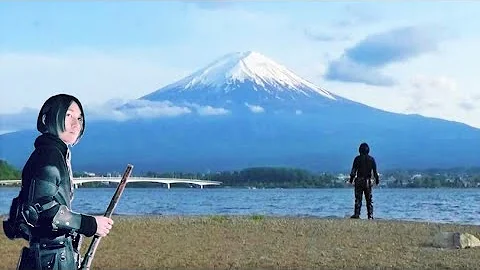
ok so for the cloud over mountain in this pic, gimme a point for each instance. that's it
(255, 108)
(347, 70)
(116, 110)
(362, 63)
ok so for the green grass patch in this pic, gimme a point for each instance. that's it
(219, 218)
(257, 217)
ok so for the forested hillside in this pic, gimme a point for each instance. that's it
(7, 171)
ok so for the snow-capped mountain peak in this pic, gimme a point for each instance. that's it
(227, 72)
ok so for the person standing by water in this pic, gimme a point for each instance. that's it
(47, 190)
(361, 173)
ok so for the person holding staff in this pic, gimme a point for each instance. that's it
(47, 190)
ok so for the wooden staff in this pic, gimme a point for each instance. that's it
(87, 260)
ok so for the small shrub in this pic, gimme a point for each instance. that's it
(257, 217)
(219, 218)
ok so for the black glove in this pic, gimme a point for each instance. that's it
(377, 181)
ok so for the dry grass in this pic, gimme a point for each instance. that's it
(257, 242)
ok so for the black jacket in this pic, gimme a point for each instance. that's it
(45, 173)
(362, 167)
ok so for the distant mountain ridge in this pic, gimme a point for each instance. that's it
(269, 117)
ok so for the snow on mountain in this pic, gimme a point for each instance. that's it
(244, 71)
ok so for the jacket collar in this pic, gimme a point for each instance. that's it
(49, 140)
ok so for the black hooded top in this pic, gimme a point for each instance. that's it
(364, 164)
(45, 172)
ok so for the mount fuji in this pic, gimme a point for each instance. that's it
(237, 77)
(245, 110)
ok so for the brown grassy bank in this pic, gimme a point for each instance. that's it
(257, 242)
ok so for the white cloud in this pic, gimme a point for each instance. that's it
(431, 96)
(209, 110)
(255, 108)
(434, 83)
(440, 84)
(92, 76)
(427, 92)
(349, 71)
(147, 109)
(467, 105)
(115, 109)
(440, 96)
(25, 119)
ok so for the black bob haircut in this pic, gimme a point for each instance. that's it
(51, 118)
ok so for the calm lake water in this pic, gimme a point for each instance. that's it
(436, 205)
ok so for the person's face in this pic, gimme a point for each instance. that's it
(73, 124)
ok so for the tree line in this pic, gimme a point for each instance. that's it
(273, 177)
(260, 177)
(282, 177)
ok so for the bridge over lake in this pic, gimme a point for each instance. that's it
(168, 181)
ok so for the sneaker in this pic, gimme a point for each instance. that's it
(370, 217)
(355, 216)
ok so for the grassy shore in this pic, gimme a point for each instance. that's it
(258, 242)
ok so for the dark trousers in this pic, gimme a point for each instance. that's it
(363, 186)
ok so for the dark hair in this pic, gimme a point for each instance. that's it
(364, 149)
(51, 118)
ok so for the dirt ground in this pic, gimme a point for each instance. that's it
(259, 242)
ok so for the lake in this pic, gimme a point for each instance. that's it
(434, 205)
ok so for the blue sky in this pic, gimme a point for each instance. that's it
(401, 56)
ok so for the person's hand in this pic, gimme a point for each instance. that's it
(377, 181)
(104, 225)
